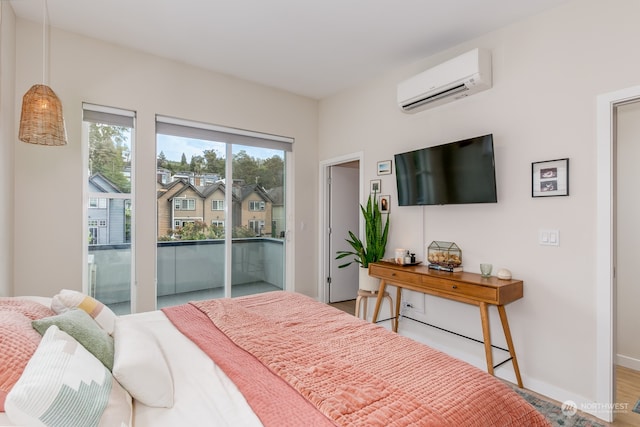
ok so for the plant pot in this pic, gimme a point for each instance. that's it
(366, 282)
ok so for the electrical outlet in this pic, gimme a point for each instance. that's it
(412, 301)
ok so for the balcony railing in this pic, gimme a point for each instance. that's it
(187, 266)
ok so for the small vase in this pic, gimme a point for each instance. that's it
(368, 283)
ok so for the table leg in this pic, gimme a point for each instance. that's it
(507, 335)
(398, 299)
(486, 334)
(376, 310)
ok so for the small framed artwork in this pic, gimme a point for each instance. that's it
(550, 178)
(375, 186)
(384, 167)
(384, 203)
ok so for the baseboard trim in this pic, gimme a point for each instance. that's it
(628, 362)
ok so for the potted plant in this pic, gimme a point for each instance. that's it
(372, 250)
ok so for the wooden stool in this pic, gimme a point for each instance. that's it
(364, 296)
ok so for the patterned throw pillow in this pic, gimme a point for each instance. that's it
(85, 330)
(67, 300)
(64, 385)
(18, 340)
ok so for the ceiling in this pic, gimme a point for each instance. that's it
(313, 48)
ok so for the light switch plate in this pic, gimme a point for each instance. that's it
(549, 237)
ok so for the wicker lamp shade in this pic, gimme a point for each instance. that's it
(41, 121)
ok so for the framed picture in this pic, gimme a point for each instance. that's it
(550, 178)
(384, 203)
(384, 167)
(375, 186)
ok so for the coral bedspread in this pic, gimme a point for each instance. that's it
(350, 372)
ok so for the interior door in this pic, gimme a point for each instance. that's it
(344, 214)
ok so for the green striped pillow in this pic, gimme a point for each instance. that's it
(65, 385)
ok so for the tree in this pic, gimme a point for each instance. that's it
(197, 164)
(214, 164)
(272, 172)
(246, 168)
(162, 160)
(108, 153)
(183, 161)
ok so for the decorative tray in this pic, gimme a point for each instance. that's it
(393, 261)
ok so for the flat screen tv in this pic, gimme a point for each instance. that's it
(456, 173)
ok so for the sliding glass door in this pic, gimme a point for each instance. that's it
(258, 213)
(218, 236)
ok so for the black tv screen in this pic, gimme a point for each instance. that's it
(455, 173)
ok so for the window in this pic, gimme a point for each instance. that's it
(185, 204)
(179, 223)
(108, 142)
(98, 203)
(93, 235)
(256, 226)
(225, 255)
(255, 205)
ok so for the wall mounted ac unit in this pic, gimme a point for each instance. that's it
(456, 78)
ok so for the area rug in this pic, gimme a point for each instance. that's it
(555, 414)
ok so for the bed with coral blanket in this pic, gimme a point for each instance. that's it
(281, 358)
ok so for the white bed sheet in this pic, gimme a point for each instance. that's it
(203, 394)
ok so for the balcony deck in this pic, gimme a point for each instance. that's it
(189, 270)
(185, 297)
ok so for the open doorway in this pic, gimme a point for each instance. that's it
(626, 238)
(606, 351)
(340, 200)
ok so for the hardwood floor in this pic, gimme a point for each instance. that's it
(627, 386)
(627, 394)
(346, 306)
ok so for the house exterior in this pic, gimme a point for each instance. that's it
(181, 203)
(107, 217)
(255, 209)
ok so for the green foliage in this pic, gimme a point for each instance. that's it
(109, 154)
(375, 237)
(200, 231)
(213, 163)
(269, 173)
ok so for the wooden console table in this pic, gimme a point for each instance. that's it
(469, 288)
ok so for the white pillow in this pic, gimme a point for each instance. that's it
(68, 300)
(64, 384)
(140, 365)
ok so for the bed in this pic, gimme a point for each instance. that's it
(272, 359)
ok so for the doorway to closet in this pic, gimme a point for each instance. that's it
(341, 180)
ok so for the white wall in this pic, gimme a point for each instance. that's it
(628, 235)
(7, 94)
(48, 180)
(547, 73)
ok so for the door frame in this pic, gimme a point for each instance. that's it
(323, 238)
(605, 239)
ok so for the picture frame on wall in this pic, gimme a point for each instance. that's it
(384, 203)
(384, 167)
(376, 186)
(550, 178)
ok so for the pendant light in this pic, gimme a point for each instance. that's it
(41, 120)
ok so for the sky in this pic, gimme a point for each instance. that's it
(174, 146)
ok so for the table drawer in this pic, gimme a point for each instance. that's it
(394, 276)
(480, 293)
